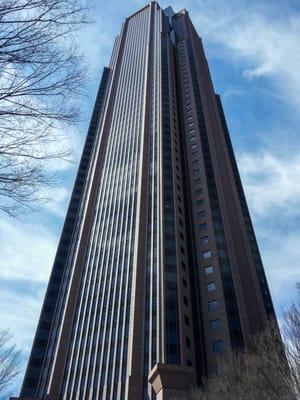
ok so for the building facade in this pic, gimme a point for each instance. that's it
(157, 271)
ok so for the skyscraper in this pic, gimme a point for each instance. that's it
(157, 270)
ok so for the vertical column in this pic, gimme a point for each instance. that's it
(175, 367)
(135, 361)
(54, 379)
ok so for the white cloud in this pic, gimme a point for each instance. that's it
(232, 92)
(272, 186)
(27, 254)
(269, 48)
(27, 251)
(57, 201)
(21, 302)
(95, 40)
(271, 182)
(281, 256)
(26, 312)
(67, 142)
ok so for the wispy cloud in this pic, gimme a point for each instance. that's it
(20, 301)
(27, 254)
(270, 48)
(271, 183)
(262, 37)
(233, 92)
(272, 186)
(281, 256)
(27, 251)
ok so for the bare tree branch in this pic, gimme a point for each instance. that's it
(9, 360)
(41, 76)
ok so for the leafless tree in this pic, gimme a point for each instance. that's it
(9, 360)
(41, 75)
(270, 371)
(291, 332)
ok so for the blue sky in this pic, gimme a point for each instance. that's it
(253, 50)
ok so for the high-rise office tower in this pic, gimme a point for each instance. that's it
(157, 270)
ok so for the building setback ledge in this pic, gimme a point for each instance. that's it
(171, 381)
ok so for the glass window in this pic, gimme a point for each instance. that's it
(202, 227)
(215, 325)
(201, 214)
(209, 270)
(206, 254)
(222, 253)
(204, 240)
(213, 305)
(200, 202)
(218, 346)
(211, 286)
(171, 276)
